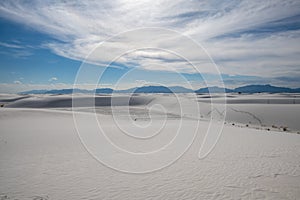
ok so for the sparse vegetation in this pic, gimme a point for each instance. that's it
(273, 126)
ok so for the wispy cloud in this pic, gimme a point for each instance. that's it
(16, 49)
(11, 45)
(244, 37)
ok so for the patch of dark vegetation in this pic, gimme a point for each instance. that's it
(283, 128)
(40, 198)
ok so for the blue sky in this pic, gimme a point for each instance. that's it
(43, 44)
(23, 57)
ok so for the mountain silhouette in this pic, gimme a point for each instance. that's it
(174, 89)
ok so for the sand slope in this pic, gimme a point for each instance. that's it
(268, 111)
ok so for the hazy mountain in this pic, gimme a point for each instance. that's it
(34, 92)
(66, 91)
(104, 90)
(265, 88)
(179, 89)
(173, 89)
(130, 90)
(156, 89)
(213, 90)
(153, 89)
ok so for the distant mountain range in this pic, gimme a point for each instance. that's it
(173, 89)
(214, 89)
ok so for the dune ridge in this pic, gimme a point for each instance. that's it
(266, 111)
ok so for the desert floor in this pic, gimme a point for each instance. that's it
(256, 156)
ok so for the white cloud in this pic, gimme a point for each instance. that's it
(276, 55)
(53, 79)
(81, 26)
(17, 82)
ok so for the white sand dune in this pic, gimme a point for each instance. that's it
(42, 156)
(277, 111)
(65, 101)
